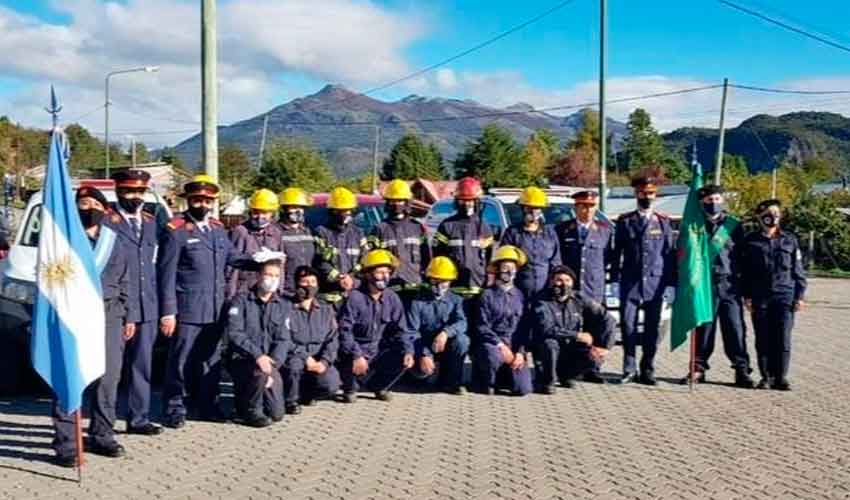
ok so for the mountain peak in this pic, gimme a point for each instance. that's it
(334, 91)
(520, 106)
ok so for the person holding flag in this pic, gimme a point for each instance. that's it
(724, 234)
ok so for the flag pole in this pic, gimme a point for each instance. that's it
(693, 361)
(78, 424)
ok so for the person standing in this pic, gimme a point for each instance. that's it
(773, 285)
(586, 246)
(339, 245)
(298, 243)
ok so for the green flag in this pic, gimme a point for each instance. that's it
(694, 304)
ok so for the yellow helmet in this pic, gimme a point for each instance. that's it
(441, 268)
(295, 197)
(263, 199)
(397, 189)
(509, 252)
(342, 199)
(377, 258)
(533, 197)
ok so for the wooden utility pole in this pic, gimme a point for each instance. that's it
(263, 141)
(718, 163)
(209, 95)
(603, 129)
(375, 159)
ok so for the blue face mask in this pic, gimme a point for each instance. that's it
(711, 208)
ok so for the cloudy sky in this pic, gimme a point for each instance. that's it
(271, 51)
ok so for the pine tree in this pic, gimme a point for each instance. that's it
(410, 158)
(495, 158)
(290, 164)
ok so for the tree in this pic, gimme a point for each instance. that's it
(169, 156)
(644, 145)
(539, 155)
(236, 174)
(495, 158)
(286, 164)
(579, 164)
(411, 158)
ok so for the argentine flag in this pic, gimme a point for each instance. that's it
(68, 338)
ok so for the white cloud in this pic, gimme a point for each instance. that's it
(446, 79)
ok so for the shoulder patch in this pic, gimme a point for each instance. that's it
(189, 226)
(115, 218)
(215, 222)
(176, 223)
(147, 216)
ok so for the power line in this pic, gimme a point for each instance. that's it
(158, 118)
(785, 25)
(789, 91)
(87, 113)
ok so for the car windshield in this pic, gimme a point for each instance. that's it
(553, 214)
(365, 216)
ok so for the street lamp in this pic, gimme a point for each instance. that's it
(146, 69)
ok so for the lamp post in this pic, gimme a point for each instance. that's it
(145, 69)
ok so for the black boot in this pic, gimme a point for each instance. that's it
(743, 379)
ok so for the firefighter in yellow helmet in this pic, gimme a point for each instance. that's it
(374, 348)
(437, 323)
(406, 238)
(500, 355)
(256, 233)
(297, 240)
(339, 245)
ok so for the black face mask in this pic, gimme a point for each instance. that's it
(294, 216)
(644, 203)
(561, 292)
(91, 217)
(769, 220)
(198, 213)
(303, 293)
(396, 211)
(712, 209)
(130, 205)
(342, 220)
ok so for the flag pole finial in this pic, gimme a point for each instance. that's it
(54, 108)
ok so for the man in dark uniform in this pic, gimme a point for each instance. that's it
(437, 323)
(572, 334)
(138, 233)
(258, 232)
(773, 284)
(500, 351)
(374, 349)
(339, 245)
(190, 269)
(643, 264)
(407, 239)
(259, 343)
(309, 372)
(468, 241)
(586, 246)
(537, 240)
(726, 234)
(111, 260)
(297, 240)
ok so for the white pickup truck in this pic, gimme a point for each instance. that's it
(17, 287)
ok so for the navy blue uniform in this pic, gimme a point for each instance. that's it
(256, 328)
(139, 236)
(644, 264)
(543, 252)
(502, 313)
(729, 309)
(587, 251)
(314, 333)
(338, 252)
(190, 271)
(375, 330)
(556, 325)
(408, 240)
(299, 245)
(772, 276)
(428, 316)
(248, 239)
(102, 394)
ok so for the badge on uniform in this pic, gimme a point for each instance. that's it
(655, 232)
(233, 311)
(192, 240)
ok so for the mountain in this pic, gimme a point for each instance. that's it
(338, 121)
(766, 141)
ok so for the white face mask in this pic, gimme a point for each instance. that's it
(269, 284)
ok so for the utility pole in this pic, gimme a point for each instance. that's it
(603, 129)
(263, 141)
(209, 95)
(375, 159)
(133, 151)
(773, 183)
(718, 163)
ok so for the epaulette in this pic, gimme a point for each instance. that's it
(601, 222)
(215, 222)
(179, 222)
(148, 217)
(115, 218)
(633, 213)
(662, 215)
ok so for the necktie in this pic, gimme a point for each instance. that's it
(582, 232)
(134, 223)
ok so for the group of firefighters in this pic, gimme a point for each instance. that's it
(296, 314)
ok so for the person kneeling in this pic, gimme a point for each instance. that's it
(564, 344)
(259, 341)
(309, 372)
(437, 321)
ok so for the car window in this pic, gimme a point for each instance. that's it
(490, 214)
(553, 214)
(365, 216)
(32, 228)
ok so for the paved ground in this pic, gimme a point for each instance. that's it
(590, 442)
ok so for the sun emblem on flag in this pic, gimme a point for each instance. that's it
(58, 272)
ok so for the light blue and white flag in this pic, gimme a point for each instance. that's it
(68, 338)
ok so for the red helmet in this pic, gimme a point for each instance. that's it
(468, 188)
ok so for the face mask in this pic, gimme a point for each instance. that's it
(269, 284)
(644, 203)
(440, 289)
(380, 284)
(711, 208)
(342, 220)
(91, 217)
(303, 293)
(199, 213)
(561, 292)
(396, 211)
(260, 222)
(769, 220)
(507, 277)
(295, 216)
(130, 205)
(466, 210)
(533, 216)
